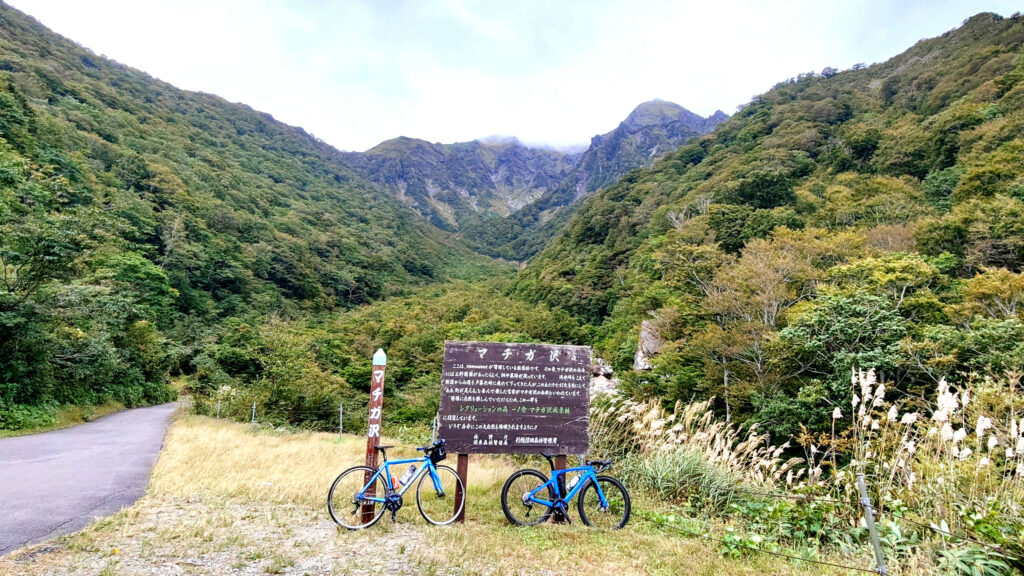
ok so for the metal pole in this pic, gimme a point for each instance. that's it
(869, 519)
(218, 408)
(254, 415)
(433, 432)
(341, 420)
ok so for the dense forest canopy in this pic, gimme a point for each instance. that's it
(872, 217)
(136, 219)
(867, 218)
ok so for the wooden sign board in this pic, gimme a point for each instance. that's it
(502, 398)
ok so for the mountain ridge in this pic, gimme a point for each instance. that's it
(478, 188)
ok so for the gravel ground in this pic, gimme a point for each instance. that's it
(173, 536)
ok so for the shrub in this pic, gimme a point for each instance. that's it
(23, 417)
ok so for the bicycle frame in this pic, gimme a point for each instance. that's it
(386, 471)
(588, 474)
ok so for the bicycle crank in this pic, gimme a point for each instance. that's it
(393, 502)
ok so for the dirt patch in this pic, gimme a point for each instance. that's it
(181, 536)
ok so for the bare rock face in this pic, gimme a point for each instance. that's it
(602, 381)
(648, 345)
(600, 368)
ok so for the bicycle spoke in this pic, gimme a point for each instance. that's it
(611, 514)
(344, 503)
(515, 502)
(437, 503)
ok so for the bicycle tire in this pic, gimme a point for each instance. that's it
(436, 503)
(615, 516)
(518, 511)
(347, 487)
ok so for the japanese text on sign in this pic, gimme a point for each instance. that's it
(515, 398)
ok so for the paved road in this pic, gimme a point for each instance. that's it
(58, 482)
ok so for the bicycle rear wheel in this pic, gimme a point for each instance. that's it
(343, 501)
(514, 498)
(439, 506)
(610, 517)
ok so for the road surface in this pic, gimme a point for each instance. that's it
(58, 482)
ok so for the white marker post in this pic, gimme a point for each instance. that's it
(380, 360)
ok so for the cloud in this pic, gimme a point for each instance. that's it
(357, 72)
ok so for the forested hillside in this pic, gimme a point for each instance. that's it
(651, 130)
(506, 199)
(455, 185)
(135, 218)
(872, 217)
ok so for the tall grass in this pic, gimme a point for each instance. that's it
(686, 454)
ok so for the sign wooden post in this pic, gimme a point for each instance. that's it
(462, 469)
(513, 398)
(380, 360)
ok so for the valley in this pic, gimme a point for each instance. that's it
(824, 284)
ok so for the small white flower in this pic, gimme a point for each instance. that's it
(874, 424)
(983, 462)
(992, 442)
(879, 396)
(855, 401)
(837, 414)
(959, 435)
(966, 399)
(893, 413)
(909, 418)
(1009, 453)
(946, 433)
(984, 423)
(965, 453)
(1020, 446)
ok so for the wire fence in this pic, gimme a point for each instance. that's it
(861, 506)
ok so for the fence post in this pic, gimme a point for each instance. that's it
(218, 408)
(253, 426)
(433, 431)
(341, 420)
(869, 519)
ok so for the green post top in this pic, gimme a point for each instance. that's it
(380, 358)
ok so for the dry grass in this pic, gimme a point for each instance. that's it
(226, 500)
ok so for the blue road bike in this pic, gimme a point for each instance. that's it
(529, 497)
(360, 495)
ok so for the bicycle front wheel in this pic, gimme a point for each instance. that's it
(515, 502)
(596, 515)
(438, 506)
(345, 500)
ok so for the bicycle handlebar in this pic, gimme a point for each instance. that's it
(598, 465)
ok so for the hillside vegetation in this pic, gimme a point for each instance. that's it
(136, 218)
(867, 218)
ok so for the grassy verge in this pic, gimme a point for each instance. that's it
(67, 416)
(227, 500)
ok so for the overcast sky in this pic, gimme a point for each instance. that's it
(553, 72)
